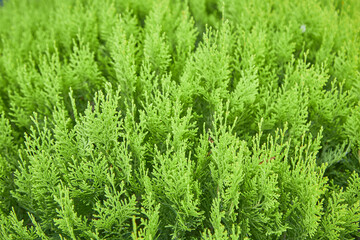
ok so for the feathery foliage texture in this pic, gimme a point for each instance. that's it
(170, 119)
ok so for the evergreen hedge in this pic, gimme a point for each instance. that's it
(170, 119)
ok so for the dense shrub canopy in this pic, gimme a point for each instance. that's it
(170, 119)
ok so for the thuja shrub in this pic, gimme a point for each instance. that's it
(169, 119)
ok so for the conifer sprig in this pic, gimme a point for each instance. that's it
(197, 119)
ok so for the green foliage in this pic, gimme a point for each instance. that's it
(197, 119)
